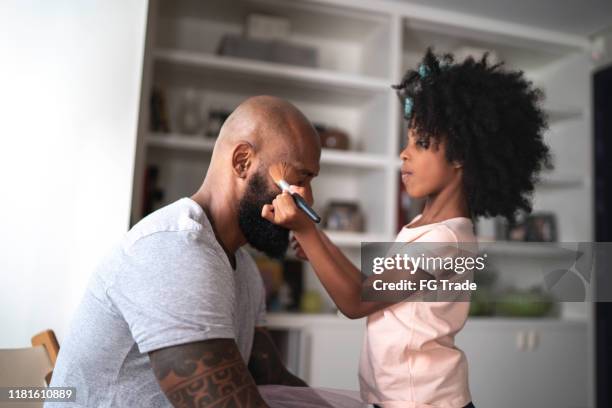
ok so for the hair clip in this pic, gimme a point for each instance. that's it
(423, 70)
(408, 104)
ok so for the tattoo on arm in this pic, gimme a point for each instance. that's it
(208, 373)
(265, 363)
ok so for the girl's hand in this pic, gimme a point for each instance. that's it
(285, 213)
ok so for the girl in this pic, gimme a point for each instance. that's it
(474, 148)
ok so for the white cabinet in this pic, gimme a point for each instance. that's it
(512, 362)
(527, 363)
(334, 352)
(328, 348)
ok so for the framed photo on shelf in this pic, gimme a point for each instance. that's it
(536, 227)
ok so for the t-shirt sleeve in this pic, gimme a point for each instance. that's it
(174, 289)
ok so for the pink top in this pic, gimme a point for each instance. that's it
(409, 358)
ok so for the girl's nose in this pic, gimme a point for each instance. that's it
(405, 154)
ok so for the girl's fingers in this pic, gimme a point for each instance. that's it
(278, 209)
(267, 212)
(304, 192)
(285, 205)
(276, 212)
(283, 210)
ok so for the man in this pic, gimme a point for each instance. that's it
(175, 313)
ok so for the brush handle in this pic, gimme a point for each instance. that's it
(301, 203)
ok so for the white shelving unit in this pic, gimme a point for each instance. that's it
(363, 49)
(350, 90)
(364, 46)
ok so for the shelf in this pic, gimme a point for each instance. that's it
(521, 47)
(328, 156)
(353, 159)
(494, 248)
(288, 320)
(296, 320)
(346, 40)
(562, 113)
(556, 181)
(354, 239)
(334, 87)
(488, 322)
(181, 142)
(525, 249)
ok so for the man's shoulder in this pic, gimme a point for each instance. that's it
(183, 217)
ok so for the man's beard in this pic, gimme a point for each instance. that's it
(261, 234)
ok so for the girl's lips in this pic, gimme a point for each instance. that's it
(406, 175)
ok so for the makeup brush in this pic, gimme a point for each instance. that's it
(279, 173)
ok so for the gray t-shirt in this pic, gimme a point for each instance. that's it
(168, 282)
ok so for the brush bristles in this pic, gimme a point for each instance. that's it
(280, 171)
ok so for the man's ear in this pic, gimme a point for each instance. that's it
(242, 158)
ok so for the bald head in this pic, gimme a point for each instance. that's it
(264, 130)
(260, 132)
(271, 125)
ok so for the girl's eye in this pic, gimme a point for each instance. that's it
(423, 143)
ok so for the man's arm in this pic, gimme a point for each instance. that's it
(265, 363)
(207, 373)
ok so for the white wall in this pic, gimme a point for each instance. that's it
(568, 83)
(69, 94)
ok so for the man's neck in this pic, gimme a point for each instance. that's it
(221, 212)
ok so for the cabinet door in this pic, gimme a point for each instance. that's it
(527, 364)
(334, 353)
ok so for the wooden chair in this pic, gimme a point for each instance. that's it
(47, 340)
(31, 366)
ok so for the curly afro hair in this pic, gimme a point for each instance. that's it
(490, 121)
